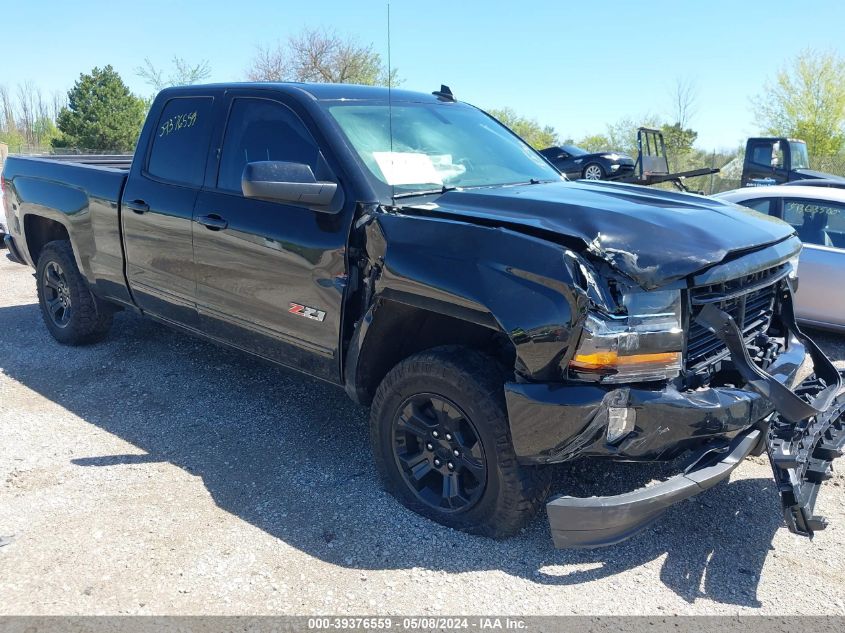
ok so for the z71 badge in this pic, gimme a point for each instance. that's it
(305, 311)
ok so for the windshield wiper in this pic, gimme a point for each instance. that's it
(426, 192)
(445, 188)
(530, 181)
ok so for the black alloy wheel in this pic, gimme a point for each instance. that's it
(57, 295)
(441, 443)
(71, 312)
(438, 451)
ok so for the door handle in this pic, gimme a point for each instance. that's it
(212, 222)
(138, 206)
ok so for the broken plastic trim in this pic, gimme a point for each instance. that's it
(785, 402)
(801, 461)
(805, 436)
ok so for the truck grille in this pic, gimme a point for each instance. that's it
(751, 310)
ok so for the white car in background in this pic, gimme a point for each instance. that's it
(818, 215)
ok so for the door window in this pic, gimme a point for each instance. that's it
(260, 130)
(180, 141)
(817, 221)
(763, 205)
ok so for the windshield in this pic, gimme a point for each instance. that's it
(437, 145)
(572, 150)
(800, 160)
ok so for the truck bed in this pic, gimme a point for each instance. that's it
(118, 161)
(84, 197)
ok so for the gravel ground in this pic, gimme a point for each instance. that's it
(157, 474)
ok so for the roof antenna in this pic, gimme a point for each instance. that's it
(390, 101)
(445, 93)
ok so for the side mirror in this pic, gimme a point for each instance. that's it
(281, 181)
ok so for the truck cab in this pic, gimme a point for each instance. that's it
(776, 160)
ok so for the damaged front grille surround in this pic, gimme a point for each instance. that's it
(749, 300)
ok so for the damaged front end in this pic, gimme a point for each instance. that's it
(807, 431)
(750, 382)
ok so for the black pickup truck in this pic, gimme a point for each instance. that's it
(409, 248)
(774, 161)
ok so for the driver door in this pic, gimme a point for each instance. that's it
(257, 260)
(764, 162)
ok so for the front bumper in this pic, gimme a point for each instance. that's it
(553, 423)
(620, 170)
(800, 422)
(597, 521)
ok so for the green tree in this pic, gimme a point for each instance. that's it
(807, 101)
(102, 114)
(183, 73)
(678, 140)
(322, 56)
(623, 134)
(44, 131)
(594, 143)
(13, 138)
(536, 135)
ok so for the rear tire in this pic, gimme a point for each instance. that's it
(441, 443)
(593, 171)
(72, 314)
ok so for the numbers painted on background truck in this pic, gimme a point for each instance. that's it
(178, 122)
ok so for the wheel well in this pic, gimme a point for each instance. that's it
(400, 330)
(39, 231)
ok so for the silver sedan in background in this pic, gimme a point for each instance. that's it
(818, 215)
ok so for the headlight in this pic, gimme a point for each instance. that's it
(644, 345)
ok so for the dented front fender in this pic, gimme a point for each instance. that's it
(509, 281)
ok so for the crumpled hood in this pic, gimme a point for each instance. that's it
(650, 235)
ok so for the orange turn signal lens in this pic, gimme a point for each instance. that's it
(612, 360)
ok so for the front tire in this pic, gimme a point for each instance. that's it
(72, 314)
(441, 443)
(593, 171)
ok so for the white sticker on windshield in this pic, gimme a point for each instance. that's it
(407, 168)
(446, 168)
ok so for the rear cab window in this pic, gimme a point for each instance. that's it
(767, 154)
(180, 141)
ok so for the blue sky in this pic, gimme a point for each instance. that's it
(576, 66)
